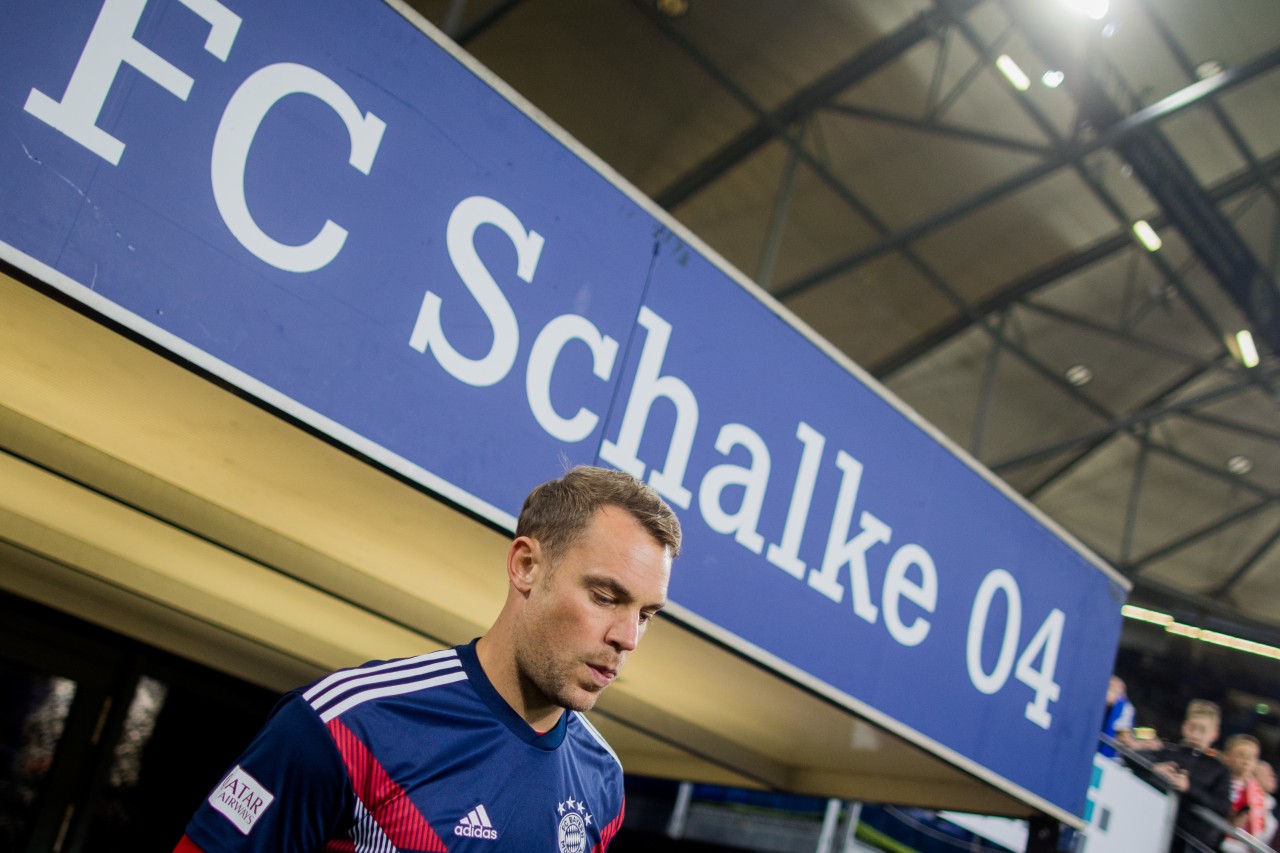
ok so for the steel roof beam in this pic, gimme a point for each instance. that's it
(939, 70)
(1025, 285)
(1114, 135)
(988, 387)
(1119, 334)
(1166, 176)
(1234, 426)
(1214, 471)
(1115, 209)
(1233, 132)
(936, 128)
(1199, 535)
(781, 206)
(1099, 190)
(1211, 236)
(1097, 441)
(1246, 565)
(1142, 416)
(980, 63)
(773, 123)
(927, 271)
(484, 21)
(1004, 297)
(1135, 496)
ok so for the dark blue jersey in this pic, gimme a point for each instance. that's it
(420, 754)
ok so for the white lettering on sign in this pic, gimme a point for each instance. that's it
(240, 122)
(1044, 645)
(786, 554)
(754, 480)
(547, 347)
(110, 45)
(903, 584)
(648, 386)
(852, 552)
(897, 581)
(898, 586)
(428, 331)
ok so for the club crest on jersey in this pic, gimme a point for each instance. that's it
(574, 821)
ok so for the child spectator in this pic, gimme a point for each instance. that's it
(1198, 777)
(1248, 801)
(1266, 776)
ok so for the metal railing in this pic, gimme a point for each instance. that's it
(1152, 777)
(1228, 829)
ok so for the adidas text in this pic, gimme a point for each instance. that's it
(476, 824)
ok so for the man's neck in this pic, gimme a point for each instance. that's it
(497, 659)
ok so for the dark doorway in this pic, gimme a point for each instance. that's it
(107, 744)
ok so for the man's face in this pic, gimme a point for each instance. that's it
(1199, 732)
(588, 611)
(1241, 759)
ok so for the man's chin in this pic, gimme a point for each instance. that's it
(582, 699)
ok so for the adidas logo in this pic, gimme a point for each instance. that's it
(476, 825)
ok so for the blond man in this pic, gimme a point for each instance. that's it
(482, 745)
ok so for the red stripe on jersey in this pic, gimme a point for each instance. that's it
(384, 800)
(338, 845)
(610, 829)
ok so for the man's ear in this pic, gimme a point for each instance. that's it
(524, 563)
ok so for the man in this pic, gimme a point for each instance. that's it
(1198, 777)
(480, 747)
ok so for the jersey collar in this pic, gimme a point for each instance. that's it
(504, 712)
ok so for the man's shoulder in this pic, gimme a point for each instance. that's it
(370, 684)
(586, 739)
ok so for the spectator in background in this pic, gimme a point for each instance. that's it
(1198, 777)
(1266, 776)
(1248, 800)
(1117, 720)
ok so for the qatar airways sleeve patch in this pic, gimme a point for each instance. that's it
(241, 799)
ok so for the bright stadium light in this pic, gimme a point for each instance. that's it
(1013, 73)
(1147, 235)
(1095, 9)
(1248, 349)
(1204, 635)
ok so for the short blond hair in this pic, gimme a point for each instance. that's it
(558, 512)
(1204, 708)
(1236, 740)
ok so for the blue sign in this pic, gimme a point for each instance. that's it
(327, 206)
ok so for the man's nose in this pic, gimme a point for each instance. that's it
(624, 633)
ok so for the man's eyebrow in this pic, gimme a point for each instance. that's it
(620, 592)
(611, 584)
